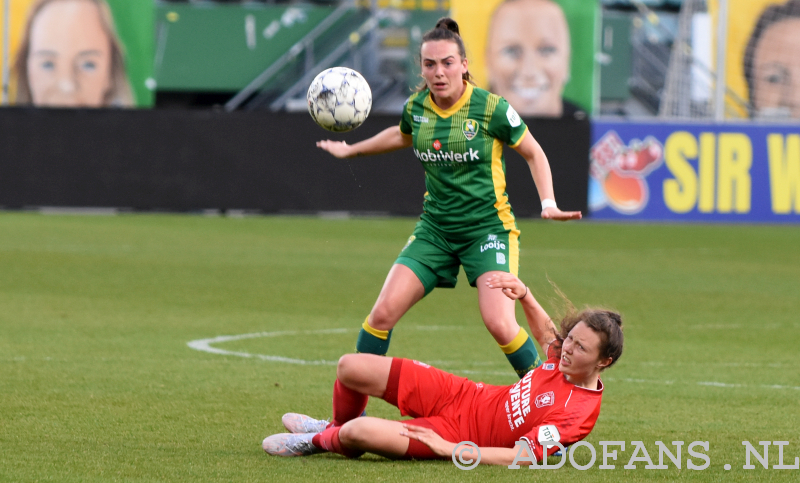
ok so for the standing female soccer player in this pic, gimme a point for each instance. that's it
(457, 131)
(558, 401)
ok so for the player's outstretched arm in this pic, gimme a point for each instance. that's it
(444, 448)
(542, 327)
(390, 139)
(533, 153)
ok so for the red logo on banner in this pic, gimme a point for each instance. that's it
(621, 170)
(437, 145)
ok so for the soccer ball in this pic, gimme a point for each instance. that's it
(339, 99)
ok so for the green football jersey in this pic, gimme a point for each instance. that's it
(461, 149)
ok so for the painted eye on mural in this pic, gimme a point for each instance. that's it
(779, 75)
(88, 66)
(512, 51)
(547, 50)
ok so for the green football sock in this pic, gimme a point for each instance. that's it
(522, 354)
(373, 341)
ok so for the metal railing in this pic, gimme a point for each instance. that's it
(365, 29)
(306, 44)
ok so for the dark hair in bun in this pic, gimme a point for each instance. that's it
(447, 23)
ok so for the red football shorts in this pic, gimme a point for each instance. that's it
(435, 399)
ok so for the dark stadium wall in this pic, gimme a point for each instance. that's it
(260, 161)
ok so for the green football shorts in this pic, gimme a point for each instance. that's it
(435, 257)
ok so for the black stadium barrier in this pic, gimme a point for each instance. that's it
(181, 160)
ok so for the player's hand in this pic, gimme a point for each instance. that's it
(340, 149)
(511, 286)
(429, 438)
(552, 213)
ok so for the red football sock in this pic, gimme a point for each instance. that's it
(329, 441)
(347, 404)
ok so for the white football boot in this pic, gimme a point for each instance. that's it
(300, 423)
(290, 444)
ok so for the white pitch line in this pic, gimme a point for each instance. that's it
(204, 345)
(718, 364)
(646, 381)
(734, 326)
(718, 384)
(701, 383)
(778, 386)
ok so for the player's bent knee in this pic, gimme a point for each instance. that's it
(345, 367)
(382, 317)
(353, 369)
(346, 435)
(354, 434)
(500, 319)
(503, 330)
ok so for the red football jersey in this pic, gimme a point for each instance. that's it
(542, 406)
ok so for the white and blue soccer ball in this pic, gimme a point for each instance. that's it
(339, 99)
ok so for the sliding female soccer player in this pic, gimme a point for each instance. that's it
(457, 131)
(558, 401)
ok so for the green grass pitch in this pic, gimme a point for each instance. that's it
(98, 382)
